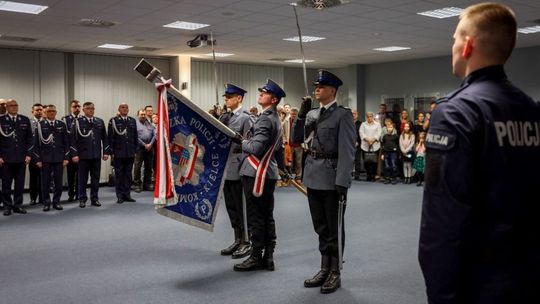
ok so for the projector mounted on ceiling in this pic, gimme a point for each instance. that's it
(200, 41)
(320, 4)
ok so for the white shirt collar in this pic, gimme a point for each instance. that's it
(328, 105)
(237, 109)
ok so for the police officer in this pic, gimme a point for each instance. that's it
(479, 235)
(259, 175)
(72, 168)
(15, 154)
(51, 150)
(328, 172)
(239, 120)
(88, 140)
(123, 141)
(33, 169)
(3, 110)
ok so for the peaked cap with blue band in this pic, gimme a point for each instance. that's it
(326, 78)
(273, 88)
(231, 89)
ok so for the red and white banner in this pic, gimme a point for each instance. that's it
(164, 192)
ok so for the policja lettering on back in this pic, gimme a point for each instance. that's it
(518, 133)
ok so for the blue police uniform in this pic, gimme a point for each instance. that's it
(479, 237)
(51, 147)
(72, 167)
(123, 141)
(239, 121)
(15, 145)
(34, 183)
(88, 139)
(265, 135)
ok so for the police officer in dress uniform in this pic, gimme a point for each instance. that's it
(479, 235)
(259, 174)
(88, 140)
(2, 113)
(51, 151)
(239, 120)
(15, 154)
(33, 169)
(328, 172)
(72, 167)
(123, 141)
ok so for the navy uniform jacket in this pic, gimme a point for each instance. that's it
(334, 134)
(480, 233)
(125, 145)
(264, 134)
(55, 151)
(69, 120)
(241, 122)
(15, 147)
(88, 140)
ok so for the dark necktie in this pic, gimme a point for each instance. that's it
(323, 109)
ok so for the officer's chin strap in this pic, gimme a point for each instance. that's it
(341, 206)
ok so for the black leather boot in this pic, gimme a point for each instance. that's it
(268, 258)
(320, 277)
(254, 262)
(242, 251)
(232, 248)
(333, 281)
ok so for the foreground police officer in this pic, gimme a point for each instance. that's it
(259, 174)
(328, 172)
(479, 237)
(88, 140)
(123, 141)
(239, 120)
(72, 168)
(15, 151)
(51, 150)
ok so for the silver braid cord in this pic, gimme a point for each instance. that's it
(4, 133)
(79, 130)
(46, 141)
(124, 132)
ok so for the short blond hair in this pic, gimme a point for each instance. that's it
(494, 26)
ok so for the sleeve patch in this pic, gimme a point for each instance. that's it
(440, 140)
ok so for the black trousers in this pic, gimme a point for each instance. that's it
(13, 173)
(92, 167)
(260, 212)
(142, 156)
(358, 162)
(51, 172)
(324, 209)
(72, 180)
(123, 176)
(232, 190)
(35, 182)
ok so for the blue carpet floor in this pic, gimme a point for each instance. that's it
(129, 254)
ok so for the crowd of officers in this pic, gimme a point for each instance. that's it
(79, 141)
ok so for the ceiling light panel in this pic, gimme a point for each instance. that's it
(115, 46)
(299, 60)
(442, 13)
(304, 38)
(21, 7)
(392, 49)
(529, 30)
(219, 54)
(184, 25)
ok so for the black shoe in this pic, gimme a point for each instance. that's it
(137, 189)
(419, 184)
(394, 181)
(7, 212)
(71, 199)
(231, 249)
(33, 202)
(82, 204)
(19, 210)
(387, 181)
(96, 203)
(333, 281)
(252, 263)
(268, 257)
(242, 251)
(46, 208)
(130, 199)
(57, 207)
(319, 279)
(119, 201)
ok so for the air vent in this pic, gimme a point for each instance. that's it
(143, 49)
(17, 39)
(97, 23)
(320, 4)
(279, 59)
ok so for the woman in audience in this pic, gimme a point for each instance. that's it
(406, 146)
(370, 133)
(419, 162)
(419, 124)
(404, 118)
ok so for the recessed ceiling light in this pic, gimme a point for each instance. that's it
(299, 60)
(186, 25)
(392, 49)
(115, 46)
(304, 38)
(21, 7)
(529, 30)
(446, 12)
(219, 54)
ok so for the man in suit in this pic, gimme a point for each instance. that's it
(239, 120)
(123, 142)
(33, 169)
(259, 174)
(72, 168)
(2, 113)
(327, 173)
(15, 154)
(88, 141)
(51, 151)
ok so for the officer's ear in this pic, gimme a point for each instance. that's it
(468, 47)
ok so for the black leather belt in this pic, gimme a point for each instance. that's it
(322, 155)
